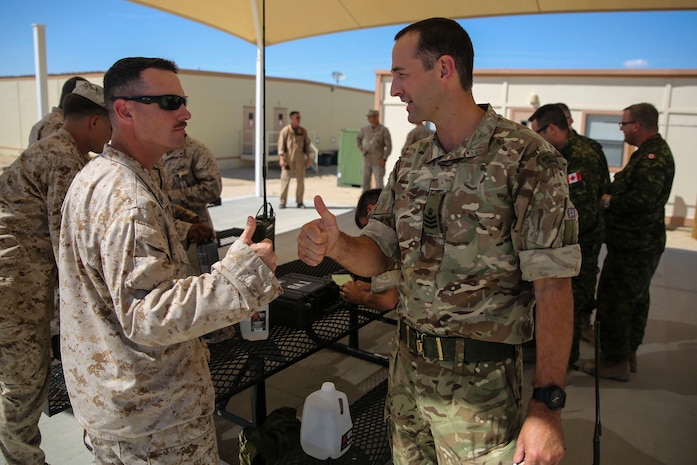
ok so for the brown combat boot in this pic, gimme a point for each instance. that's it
(609, 370)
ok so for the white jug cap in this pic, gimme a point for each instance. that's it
(328, 386)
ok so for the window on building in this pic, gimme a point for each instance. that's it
(604, 129)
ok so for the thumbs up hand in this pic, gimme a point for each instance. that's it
(318, 238)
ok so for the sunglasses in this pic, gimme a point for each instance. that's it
(166, 102)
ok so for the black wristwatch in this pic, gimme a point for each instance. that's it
(553, 397)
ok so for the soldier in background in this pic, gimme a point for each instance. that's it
(587, 179)
(32, 190)
(293, 157)
(53, 120)
(381, 292)
(587, 313)
(420, 131)
(477, 248)
(635, 231)
(375, 143)
(194, 181)
(194, 177)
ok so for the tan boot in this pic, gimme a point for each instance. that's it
(632, 362)
(608, 370)
(587, 333)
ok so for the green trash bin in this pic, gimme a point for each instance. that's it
(350, 159)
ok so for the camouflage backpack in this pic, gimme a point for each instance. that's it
(265, 444)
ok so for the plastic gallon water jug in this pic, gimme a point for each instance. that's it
(256, 328)
(326, 429)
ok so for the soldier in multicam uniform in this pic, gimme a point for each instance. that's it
(635, 231)
(587, 178)
(135, 367)
(381, 292)
(375, 143)
(31, 194)
(480, 221)
(53, 120)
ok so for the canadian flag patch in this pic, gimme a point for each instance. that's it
(573, 177)
(651, 156)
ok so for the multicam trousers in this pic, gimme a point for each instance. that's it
(441, 413)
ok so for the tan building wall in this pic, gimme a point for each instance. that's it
(217, 102)
(592, 95)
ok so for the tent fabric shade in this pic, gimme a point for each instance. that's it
(287, 20)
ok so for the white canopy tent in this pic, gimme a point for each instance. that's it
(268, 22)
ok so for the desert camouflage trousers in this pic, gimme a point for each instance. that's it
(24, 371)
(192, 443)
(441, 413)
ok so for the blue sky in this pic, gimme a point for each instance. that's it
(89, 35)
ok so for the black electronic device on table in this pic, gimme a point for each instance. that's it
(304, 300)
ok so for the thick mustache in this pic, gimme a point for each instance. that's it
(181, 125)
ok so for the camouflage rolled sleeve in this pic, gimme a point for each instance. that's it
(546, 230)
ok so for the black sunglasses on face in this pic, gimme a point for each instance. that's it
(166, 102)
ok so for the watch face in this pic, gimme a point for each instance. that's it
(553, 397)
(556, 400)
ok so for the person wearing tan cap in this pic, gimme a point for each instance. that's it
(375, 144)
(53, 120)
(32, 190)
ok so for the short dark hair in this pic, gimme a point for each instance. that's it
(124, 76)
(550, 114)
(77, 105)
(290, 115)
(564, 107)
(68, 87)
(369, 197)
(442, 36)
(646, 114)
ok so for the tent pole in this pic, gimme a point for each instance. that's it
(259, 136)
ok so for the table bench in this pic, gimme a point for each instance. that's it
(237, 364)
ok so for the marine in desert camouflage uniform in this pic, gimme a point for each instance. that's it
(53, 120)
(193, 182)
(31, 194)
(480, 221)
(420, 131)
(375, 143)
(194, 177)
(135, 367)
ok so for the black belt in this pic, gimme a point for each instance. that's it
(447, 348)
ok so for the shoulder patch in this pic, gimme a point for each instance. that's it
(547, 160)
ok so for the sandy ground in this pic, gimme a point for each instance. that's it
(240, 182)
